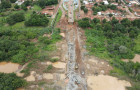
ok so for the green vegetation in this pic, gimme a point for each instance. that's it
(102, 7)
(58, 16)
(23, 40)
(84, 23)
(5, 4)
(11, 81)
(16, 6)
(54, 59)
(37, 20)
(130, 10)
(49, 67)
(137, 46)
(15, 45)
(43, 3)
(13, 1)
(84, 9)
(115, 41)
(14, 18)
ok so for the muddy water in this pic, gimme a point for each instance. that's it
(105, 82)
(8, 67)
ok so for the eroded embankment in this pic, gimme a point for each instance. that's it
(74, 71)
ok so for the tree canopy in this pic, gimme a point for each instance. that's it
(37, 20)
(11, 81)
(14, 18)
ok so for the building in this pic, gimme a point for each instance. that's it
(19, 2)
(106, 2)
(85, 2)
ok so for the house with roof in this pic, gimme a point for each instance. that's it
(19, 2)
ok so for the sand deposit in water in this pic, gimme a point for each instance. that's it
(105, 82)
(59, 65)
(8, 67)
(136, 58)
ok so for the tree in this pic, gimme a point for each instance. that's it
(24, 7)
(42, 3)
(133, 32)
(85, 10)
(27, 3)
(14, 18)
(5, 4)
(113, 7)
(107, 27)
(123, 49)
(98, 9)
(13, 1)
(16, 6)
(120, 27)
(136, 23)
(126, 22)
(110, 15)
(37, 20)
(114, 21)
(104, 20)
(84, 23)
(96, 4)
(102, 3)
(11, 81)
(82, 7)
(96, 20)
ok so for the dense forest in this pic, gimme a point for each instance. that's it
(114, 40)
